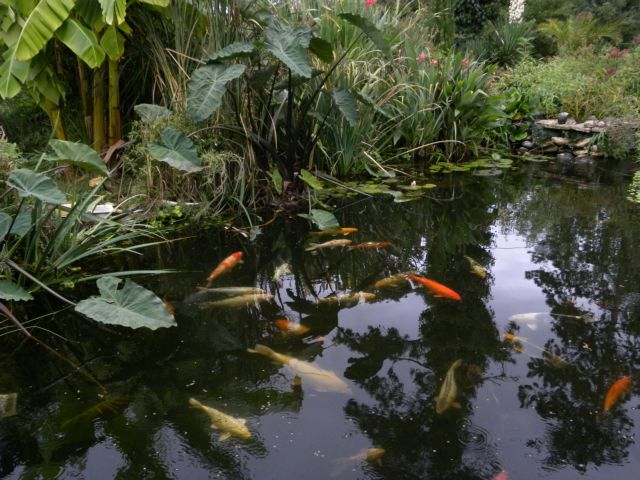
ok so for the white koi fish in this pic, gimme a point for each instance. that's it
(239, 301)
(221, 421)
(320, 380)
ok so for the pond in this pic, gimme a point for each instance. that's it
(563, 245)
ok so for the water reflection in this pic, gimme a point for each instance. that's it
(521, 411)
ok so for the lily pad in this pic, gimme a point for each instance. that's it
(132, 306)
(323, 219)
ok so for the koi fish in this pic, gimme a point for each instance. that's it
(335, 232)
(320, 379)
(392, 281)
(224, 266)
(501, 476)
(369, 455)
(170, 308)
(554, 360)
(282, 270)
(532, 319)
(8, 403)
(231, 291)
(221, 421)
(369, 245)
(436, 288)
(239, 301)
(330, 244)
(349, 299)
(619, 388)
(476, 268)
(449, 391)
(291, 328)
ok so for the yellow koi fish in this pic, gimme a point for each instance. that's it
(330, 244)
(369, 455)
(349, 299)
(449, 391)
(221, 421)
(335, 232)
(320, 380)
(239, 301)
(397, 280)
(476, 268)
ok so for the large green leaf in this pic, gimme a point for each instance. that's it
(113, 11)
(112, 42)
(289, 46)
(369, 29)
(21, 224)
(230, 52)
(323, 219)
(207, 86)
(347, 105)
(12, 74)
(81, 41)
(31, 184)
(77, 154)
(151, 113)
(310, 179)
(131, 306)
(321, 49)
(157, 3)
(13, 291)
(176, 150)
(38, 28)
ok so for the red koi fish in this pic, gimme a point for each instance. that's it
(170, 308)
(225, 265)
(619, 388)
(367, 245)
(436, 288)
(501, 476)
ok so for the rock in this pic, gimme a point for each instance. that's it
(528, 144)
(593, 118)
(601, 124)
(560, 141)
(581, 153)
(594, 148)
(565, 157)
(522, 150)
(563, 117)
(585, 160)
(589, 124)
(582, 143)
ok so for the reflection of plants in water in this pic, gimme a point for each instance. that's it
(586, 252)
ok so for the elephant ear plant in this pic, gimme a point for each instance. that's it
(44, 239)
(274, 84)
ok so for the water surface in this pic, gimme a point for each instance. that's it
(551, 243)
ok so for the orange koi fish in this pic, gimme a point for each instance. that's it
(170, 308)
(225, 265)
(619, 388)
(291, 328)
(436, 288)
(501, 476)
(335, 232)
(367, 245)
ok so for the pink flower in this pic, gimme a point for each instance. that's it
(369, 3)
(465, 62)
(421, 58)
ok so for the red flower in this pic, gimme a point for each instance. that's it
(369, 3)
(465, 62)
(421, 58)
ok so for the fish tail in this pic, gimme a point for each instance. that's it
(195, 403)
(457, 363)
(262, 350)
(311, 247)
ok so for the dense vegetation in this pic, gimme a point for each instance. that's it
(231, 107)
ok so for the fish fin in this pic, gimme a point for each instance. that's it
(251, 350)
(214, 426)
(532, 326)
(456, 405)
(224, 436)
(243, 421)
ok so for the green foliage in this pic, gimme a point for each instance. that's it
(323, 219)
(503, 43)
(131, 306)
(207, 86)
(77, 154)
(579, 31)
(30, 184)
(176, 150)
(590, 83)
(13, 292)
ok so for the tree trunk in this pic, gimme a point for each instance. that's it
(98, 109)
(115, 132)
(53, 110)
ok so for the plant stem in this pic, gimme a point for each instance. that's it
(98, 109)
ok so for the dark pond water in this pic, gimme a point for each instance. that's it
(564, 246)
